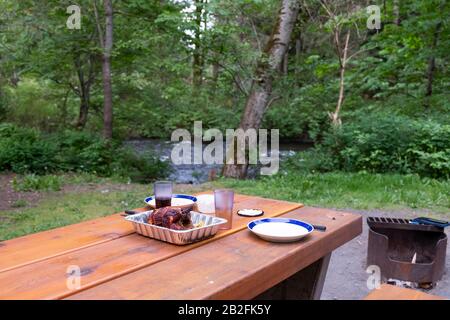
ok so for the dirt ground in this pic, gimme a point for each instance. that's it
(8, 197)
(346, 278)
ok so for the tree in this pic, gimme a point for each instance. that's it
(261, 90)
(43, 47)
(396, 12)
(432, 63)
(336, 24)
(106, 42)
(85, 82)
(198, 56)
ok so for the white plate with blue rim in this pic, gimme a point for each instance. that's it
(178, 200)
(280, 229)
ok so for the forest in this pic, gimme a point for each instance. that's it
(361, 85)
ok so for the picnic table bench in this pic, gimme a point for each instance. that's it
(116, 263)
(390, 292)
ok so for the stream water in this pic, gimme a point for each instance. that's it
(197, 173)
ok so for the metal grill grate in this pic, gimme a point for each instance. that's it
(399, 223)
(388, 220)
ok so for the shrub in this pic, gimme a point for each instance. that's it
(84, 152)
(387, 143)
(29, 151)
(22, 150)
(145, 168)
(33, 102)
(19, 203)
(8, 130)
(32, 182)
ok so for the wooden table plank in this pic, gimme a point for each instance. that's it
(106, 261)
(390, 292)
(239, 266)
(44, 245)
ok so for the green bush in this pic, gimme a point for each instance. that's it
(33, 182)
(84, 152)
(23, 150)
(144, 169)
(29, 151)
(33, 102)
(19, 203)
(9, 130)
(387, 143)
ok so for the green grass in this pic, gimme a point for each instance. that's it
(352, 190)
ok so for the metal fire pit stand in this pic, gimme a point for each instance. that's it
(406, 251)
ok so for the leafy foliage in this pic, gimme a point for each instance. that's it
(384, 143)
(29, 151)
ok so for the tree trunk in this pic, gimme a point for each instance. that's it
(396, 12)
(15, 79)
(84, 91)
(84, 94)
(197, 62)
(106, 42)
(432, 65)
(261, 88)
(217, 52)
(106, 69)
(2, 104)
(83, 114)
(241, 22)
(298, 52)
(64, 108)
(215, 73)
(335, 119)
(285, 65)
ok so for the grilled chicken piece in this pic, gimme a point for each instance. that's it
(172, 218)
(164, 217)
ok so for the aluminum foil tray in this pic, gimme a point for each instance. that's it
(180, 237)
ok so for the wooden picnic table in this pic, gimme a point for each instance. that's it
(116, 263)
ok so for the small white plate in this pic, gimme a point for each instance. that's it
(250, 212)
(178, 200)
(280, 229)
